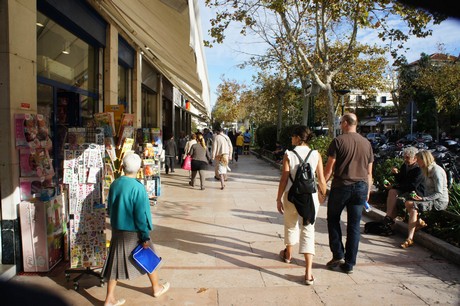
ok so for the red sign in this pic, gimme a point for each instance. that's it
(25, 105)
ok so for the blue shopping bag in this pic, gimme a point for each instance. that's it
(146, 258)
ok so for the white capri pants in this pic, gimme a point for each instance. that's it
(293, 223)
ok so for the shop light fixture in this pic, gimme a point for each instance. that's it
(66, 49)
(41, 25)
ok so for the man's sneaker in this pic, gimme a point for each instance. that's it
(346, 268)
(334, 263)
(388, 221)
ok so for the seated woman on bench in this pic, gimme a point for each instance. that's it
(436, 194)
(408, 178)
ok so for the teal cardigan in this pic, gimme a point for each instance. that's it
(129, 207)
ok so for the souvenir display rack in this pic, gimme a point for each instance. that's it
(83, 176)
(42, 207)
(73, 196)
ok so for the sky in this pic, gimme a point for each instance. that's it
(223, 59)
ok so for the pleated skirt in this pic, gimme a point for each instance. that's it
(120, 264)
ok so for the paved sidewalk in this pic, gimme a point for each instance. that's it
(221, 248)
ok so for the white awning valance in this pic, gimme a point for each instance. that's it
(171, 37)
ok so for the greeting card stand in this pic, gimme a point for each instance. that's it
(83, 169)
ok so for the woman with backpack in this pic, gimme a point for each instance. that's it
(296, 230)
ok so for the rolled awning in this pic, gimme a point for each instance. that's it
(171, 37)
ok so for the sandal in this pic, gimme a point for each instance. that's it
(283, 256)
(162, 291)
(310, 282)
(407, 243)
(420, 224)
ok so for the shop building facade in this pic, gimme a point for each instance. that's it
(70, 59)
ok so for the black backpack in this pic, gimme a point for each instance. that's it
(378, 228)
(300, 193)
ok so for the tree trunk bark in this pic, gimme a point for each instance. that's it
(280, 117)
(331, 122)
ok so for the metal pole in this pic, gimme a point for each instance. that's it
(411, 116)
(341, 97)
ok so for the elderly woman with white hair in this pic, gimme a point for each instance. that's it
(436, 195)
(131, 221)
(408, 178)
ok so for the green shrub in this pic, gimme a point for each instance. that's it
(321, 143)
(266, 136)
(454, 199)
(382, 171)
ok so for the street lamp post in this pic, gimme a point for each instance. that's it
(342, 93)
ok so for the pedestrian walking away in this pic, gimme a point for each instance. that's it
(350, 160)
(239, 144)
(170, 148)
(221, 149)
(247, 142)
(295, 229)
(181, 146)
(200, 160)
(131, 221)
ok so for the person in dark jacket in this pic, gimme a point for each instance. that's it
(408, 178)
(170, 148)
(200, 160)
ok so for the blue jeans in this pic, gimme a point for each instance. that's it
(353, 198)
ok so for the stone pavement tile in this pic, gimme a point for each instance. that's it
(255, 256)
(293, 275)
(242, 217)
(185, 296)
(436, 294)
(445, 271)
(411, 273)
(188, 259)
(368, 273)
(164, 234)
(185, 220)
(370, 294)
(292, 296)
(289, 275)
(213, 278)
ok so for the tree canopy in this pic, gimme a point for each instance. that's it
(320, 36)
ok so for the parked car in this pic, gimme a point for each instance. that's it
(420, 137)
(376, 137)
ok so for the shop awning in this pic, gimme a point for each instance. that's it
(169, 33)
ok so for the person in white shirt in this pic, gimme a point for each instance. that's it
(221, 148)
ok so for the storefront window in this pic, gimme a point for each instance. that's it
(149, 108)
(63, 57)
(124, 86)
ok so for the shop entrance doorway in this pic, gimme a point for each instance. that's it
(65, 107)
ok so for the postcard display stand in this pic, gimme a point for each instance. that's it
(41, 209)
(83, 176)
(150, 175)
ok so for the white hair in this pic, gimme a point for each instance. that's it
(131, 163)
(410, 151)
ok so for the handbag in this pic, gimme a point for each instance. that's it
(187, 165)
(146, 258)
